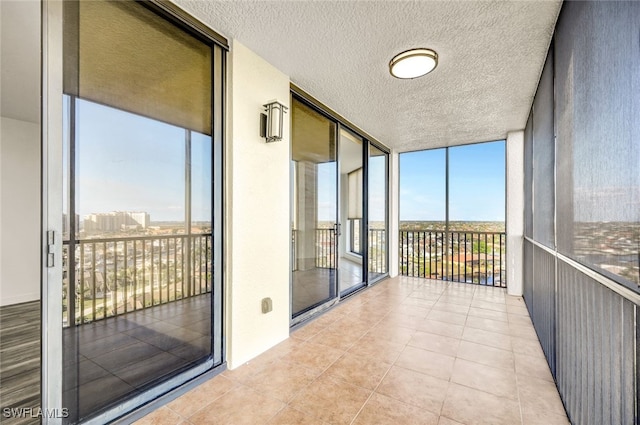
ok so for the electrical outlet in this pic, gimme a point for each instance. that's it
(267, 305)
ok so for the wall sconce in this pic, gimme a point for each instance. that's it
(272, 123)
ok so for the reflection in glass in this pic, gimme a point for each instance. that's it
(314, 219)
(351, 238)
(377, 213)
(137, 304)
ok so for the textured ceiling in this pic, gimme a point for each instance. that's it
(490, 59)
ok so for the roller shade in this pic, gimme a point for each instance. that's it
(355, 194)
(129, 58)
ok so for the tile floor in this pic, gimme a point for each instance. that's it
(407, 351)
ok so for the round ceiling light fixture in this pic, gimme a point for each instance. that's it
(413, 63)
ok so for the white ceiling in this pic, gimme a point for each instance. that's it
(490, 59)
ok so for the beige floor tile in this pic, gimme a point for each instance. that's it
(245, 371)
(453, 308)
(283, 380)
(526, 346)
(336, 339)
(486, 355)
(331, 400)
(239, 406)
(488, 325)
(537, 417)
(492, 297)
(388, 331)
(419, 302)
(539, 395)
(492, 339)
(366, 372)
(523, 331)
(309, 330)
(289, 416)
(447, 317)
(437, 343)
(314, 356)
(512, 300)
(426, 295)
(414, 388)
(533, 366)
(441, 328)
(516, 319)
(428, 362)
(377, 348)
(412, 310)
(499, 382)
(519, 310)
(396, 319)
(452, 299)
(162, 416)
(475, 407)
(199, 397)
(383, 410)
(488, 305)
(488, 314)
(286, 346)
(446, 421)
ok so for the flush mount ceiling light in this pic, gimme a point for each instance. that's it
(413, 63)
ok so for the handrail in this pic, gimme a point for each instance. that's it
(454, 255)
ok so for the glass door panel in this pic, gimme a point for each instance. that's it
(314, 209)
(377, 213)
(351, 245)
(138, 240)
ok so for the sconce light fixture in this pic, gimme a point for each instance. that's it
(272, 122)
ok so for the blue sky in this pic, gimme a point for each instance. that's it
(129, 163)
(476, 183)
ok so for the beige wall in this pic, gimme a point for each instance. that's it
(257, 211)
(19, 211)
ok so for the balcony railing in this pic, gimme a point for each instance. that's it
(326, 255)
(114, 276)
(472, 257)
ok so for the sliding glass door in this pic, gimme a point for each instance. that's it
(351, 243)
(339, 204)
(141, 289)
(315, 208)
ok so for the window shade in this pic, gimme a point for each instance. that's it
(355, 194)
(129, 58)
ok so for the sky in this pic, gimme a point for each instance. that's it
(129, 163)
(476, 183)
